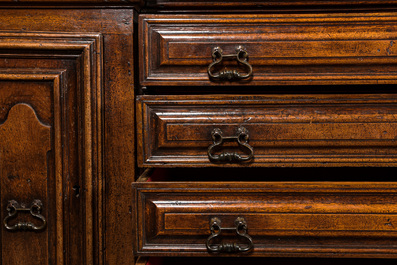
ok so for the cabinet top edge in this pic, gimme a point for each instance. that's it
(59, 4)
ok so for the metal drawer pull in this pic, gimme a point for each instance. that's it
(241, 57)
(241, 231)
(241, 138)
(14, 207)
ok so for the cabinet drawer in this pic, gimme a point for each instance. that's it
(298, 130)
(260, 4)
(250, 260)
(282, 218)
(282, 50)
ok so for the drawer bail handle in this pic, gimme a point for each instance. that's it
(14, 207)
(241, 56)
(241, 138)
(241, 231)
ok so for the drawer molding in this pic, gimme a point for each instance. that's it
(348, 219)
(299, 130)
(352, 48)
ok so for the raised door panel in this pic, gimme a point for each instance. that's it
(25, 143)
(50, 93)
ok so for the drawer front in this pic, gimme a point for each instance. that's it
(250, 260)
(298, 130)
(282, 219)
(282, 50)
(263, 4)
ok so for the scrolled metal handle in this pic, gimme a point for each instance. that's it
(223, 247)
(241, 56)
(14, 207)
(241, 138)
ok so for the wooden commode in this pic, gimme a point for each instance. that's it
(159, 132)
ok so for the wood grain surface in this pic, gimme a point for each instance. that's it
(293, 49)
(284, 130)
(321, 219)
(59, 62)
(259, 4)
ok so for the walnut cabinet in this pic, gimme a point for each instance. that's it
(172, 132)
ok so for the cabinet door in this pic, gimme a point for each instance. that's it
(49, 93)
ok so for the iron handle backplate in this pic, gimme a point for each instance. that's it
(14, 207)
(241, 138)
(241, 232)
(241, 56)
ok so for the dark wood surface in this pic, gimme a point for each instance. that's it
(55, 3)
(24, 167)
(259, 4)
(69, 72)
(284, 130)
(293, 49)
(68, 75)
(347, 219)
(269, 261)
(316, 99)
(55, 80)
